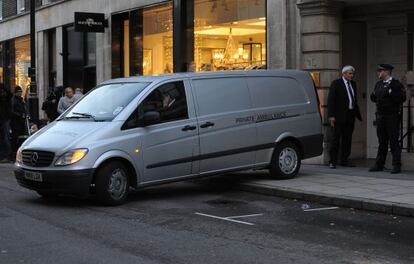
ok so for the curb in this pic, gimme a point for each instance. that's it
(337, 200)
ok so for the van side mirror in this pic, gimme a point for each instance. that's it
(150, 117)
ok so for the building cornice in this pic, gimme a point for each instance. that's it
(320, 7)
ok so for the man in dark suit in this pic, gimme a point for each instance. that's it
(389, 95)
(342, 111)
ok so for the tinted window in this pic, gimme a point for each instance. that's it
(275, 91)
(221, 95)
(168, 100)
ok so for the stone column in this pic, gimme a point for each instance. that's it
(59, 58)
(320, 49)
(276, 34)
(42, 69)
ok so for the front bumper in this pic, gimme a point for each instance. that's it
(64, 181)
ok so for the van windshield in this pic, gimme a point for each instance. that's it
(105, 102)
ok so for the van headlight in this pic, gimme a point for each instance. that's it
(71, 157)
(19, 156)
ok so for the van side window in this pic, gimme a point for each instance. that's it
(168, 100)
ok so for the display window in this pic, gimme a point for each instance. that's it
(211, 35)
(229, 35)
(158, 40)
(22, 63)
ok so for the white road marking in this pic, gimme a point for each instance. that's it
(224, 218)
(242, 216)
(320, 209)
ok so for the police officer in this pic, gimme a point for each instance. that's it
(388, 95)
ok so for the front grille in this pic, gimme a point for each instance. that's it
(36, 158)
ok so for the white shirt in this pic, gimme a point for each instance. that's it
(350, 95)
(387, 81)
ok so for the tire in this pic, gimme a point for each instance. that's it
(48, 195)
(112, 183)
(286, 161)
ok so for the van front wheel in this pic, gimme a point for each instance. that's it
(112, 183)
(285, 162)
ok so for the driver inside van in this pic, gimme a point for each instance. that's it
(172, 106)
(168, 101)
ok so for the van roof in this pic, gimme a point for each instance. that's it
(162, 77)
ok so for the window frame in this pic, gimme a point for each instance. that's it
(20, 6)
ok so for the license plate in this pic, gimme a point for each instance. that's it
(33, 176)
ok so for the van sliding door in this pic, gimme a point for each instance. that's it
(226, 123)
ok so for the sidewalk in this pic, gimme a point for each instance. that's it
(346, 187)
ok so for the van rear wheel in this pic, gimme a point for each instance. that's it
(112, 183)
(286, 161)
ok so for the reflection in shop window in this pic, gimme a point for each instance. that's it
(158, 40)
(229, 34)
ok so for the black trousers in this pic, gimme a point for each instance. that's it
(18, 129)
(342, 136)
(388, 128)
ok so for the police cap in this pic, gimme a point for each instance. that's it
(385, 67)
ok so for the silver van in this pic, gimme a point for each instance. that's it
(142, 131)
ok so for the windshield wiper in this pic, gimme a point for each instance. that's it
(80, 115)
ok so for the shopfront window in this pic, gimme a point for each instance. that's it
(142, 41)
(229, 34)
(22, 63)
(158, 43)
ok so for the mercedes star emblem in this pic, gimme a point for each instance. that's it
(34, 158)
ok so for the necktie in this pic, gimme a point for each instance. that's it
(351, 93)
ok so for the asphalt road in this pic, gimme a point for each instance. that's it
(186, 223)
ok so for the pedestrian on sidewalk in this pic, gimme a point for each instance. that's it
(342, 110)
(66, 101)
(389, 95)
(50, 105)
(5, 141)
(18, 118)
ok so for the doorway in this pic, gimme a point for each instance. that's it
(387, 43)
(79, 59)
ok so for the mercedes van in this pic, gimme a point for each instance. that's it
(142, 131)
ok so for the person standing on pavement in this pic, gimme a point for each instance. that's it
(18, 117)
(389, 95)
(342, 111)
(50, 105)
(66, 101)
(5, 146)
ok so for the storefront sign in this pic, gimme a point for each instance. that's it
(89, 22)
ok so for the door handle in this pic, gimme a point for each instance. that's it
(188, 127)
(208, 124)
